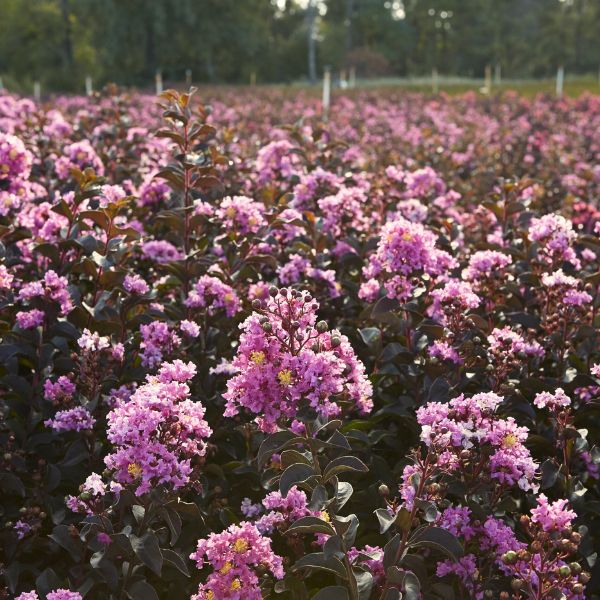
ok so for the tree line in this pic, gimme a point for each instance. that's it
(60, 42)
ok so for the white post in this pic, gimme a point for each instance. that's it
(158, 82)
(560, 80)
(498, 74)
(88, 86)
(343, 79)
(253, 78)
(37, 91)
(188, 77)
(435, 86)
(352, 78)
(326, 92)
(488, 79)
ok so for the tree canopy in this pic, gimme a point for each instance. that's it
(59, 42)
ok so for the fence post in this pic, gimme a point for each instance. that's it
(352, 78)
(158, 82)
(188, 77)
(560, 81)
(488, 79)
(326, 92)
(37, 91)
(88, 86)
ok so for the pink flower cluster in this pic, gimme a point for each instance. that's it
(485, 265)
(240, 214)
(71, 419)
(406, 251)
(212, 294)
(78, 155)
(235, 555)
(459, 431)
(15, 159)
(60, 594)
(158, 340)
(159, 432)
(61, 391)
(485, 542)
(276, 160)
(52, 287)
(286, 359)
(555, 236)
(282, 512)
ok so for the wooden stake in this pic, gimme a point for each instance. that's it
(326, 92)
(560, 81)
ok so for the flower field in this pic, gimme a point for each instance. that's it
(248, 353)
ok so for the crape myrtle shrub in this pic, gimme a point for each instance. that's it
(351, 360)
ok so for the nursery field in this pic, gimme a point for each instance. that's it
(247, 352)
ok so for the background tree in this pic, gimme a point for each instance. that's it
(59, 42)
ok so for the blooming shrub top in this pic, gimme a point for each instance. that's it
(405, 252)
(158, 432)
(285, 358)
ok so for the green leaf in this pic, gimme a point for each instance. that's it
(439, 539)
(411, 586)
(141, 590)
(364, 583)
(61, 534)
(394, 575)
(333, 547)
(294, 475)
(177, 561)
(273, 444)
(384, 305)
(147, 550)
(371, 336)
(332, 592)
(311, 525)
(342, 464)
(386, 520)
(174, 523)
(318, 560)
(390, 551)
(47, 581)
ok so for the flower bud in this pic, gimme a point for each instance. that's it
(322, 326)
(384, 490)
(273, 291)
(256, 304)
(335, 341)
(564, 571)
(517, 584)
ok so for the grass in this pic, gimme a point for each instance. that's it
(573, 86)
